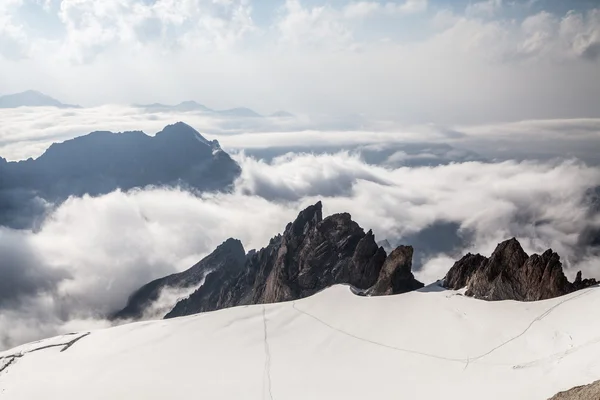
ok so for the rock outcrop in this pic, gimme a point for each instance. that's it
(587, 392)
(396, 274)
(510, 274)
(229, 257)
(312, 254)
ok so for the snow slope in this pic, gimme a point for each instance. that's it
(429, 344)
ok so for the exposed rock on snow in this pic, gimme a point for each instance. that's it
(312, 254)
(587, 392)
(228, 257)
(396, 275)
(510, 274)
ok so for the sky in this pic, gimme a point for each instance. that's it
(414, 60)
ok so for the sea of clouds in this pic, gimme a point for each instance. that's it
(90, 253)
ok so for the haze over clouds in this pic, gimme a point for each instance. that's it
(416, 60)
(28, 131)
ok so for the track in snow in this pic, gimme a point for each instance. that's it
(466, 361)
(267, 368)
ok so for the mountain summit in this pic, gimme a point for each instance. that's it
(31, 98)
(101, 162)
(312, 254)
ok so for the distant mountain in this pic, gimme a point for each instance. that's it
(240, 112)
(282, 114)
(392, 155)
(101, 162)
(183, 107)
(311, 254)
(31, 98)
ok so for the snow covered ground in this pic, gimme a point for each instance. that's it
(430, 344)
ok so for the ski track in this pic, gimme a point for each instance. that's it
(267, 367)
(467, 360)
(65, 346)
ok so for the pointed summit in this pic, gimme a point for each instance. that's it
(182, 130)
(308, 218)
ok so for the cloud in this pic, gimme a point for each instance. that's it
(12, 35)
(94, 27)
(397, 59)
(28, 132)
(364, 9)
(92, 252)
(484, 8)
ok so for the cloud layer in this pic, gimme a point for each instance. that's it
(91, 253)
(28, 131)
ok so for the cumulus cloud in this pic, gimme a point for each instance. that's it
(364, 9)
(92, 252)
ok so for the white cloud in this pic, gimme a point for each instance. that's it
(313, 26)
(98, 250)
(484, 8)
(13, 39)
(364, 9)
(582, 33)
(93, 27)
(357, 57)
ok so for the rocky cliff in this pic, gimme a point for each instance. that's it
(510, 274)
(312, 254)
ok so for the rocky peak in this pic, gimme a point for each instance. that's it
(307, 219)
(228, 258)
(510, 274)
(182, 131)
(312, 254)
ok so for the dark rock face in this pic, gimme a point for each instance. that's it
(229, 257)
(510, 274)
(312, 254)
(102, 162)
(396, 274)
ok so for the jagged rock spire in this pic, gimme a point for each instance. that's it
(510, 274)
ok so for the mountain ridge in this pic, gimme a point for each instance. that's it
(511, 274)
(311, 254)
(31, 98)
(101, 162)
